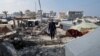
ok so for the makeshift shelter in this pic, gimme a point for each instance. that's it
(84, 27)
(87, 45)
(5, 29)
(11, 22)
(7, 25)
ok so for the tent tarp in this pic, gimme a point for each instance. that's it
(87, 45)
(84, 25)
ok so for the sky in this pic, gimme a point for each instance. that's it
(90, 7)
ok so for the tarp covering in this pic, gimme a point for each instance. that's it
(84, 25)
(87, 45)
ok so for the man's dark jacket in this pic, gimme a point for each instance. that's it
(52, 26)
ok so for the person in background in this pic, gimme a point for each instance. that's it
(52, 28)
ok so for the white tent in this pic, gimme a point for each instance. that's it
(84, 25)
(11, 22)
(87, 45)
(8, 26)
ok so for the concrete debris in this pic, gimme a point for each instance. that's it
(30, 41)
(7, 49)
(42, 51)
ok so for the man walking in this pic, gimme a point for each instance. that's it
(52, 29)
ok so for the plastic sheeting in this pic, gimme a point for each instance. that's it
(87, 45)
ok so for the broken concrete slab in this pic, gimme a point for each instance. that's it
(7, 49)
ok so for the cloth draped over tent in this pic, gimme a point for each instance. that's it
(84, 27)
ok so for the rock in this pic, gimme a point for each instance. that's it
(7, 49)
(42, 51)
(28, 51)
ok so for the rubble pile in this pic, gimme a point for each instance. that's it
(21, 44)
(41, 51)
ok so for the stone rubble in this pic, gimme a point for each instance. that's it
(41, 51)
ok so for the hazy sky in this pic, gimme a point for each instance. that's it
(90, 7)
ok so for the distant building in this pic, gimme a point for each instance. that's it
(75, 14)
(2, 16)
(30, 14)
(16, 14)
(62, 15)
(4, 28)
(88, 17)
(39, 14)
(3, 21)
(52, 14)
(46, 15)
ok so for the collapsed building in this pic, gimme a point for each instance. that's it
(31, 38)
(27, 41)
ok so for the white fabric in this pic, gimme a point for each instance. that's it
(87, 45)
(84, 25)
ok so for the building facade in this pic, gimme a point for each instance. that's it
(39, 14)
(62, 15)
(72, 15)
